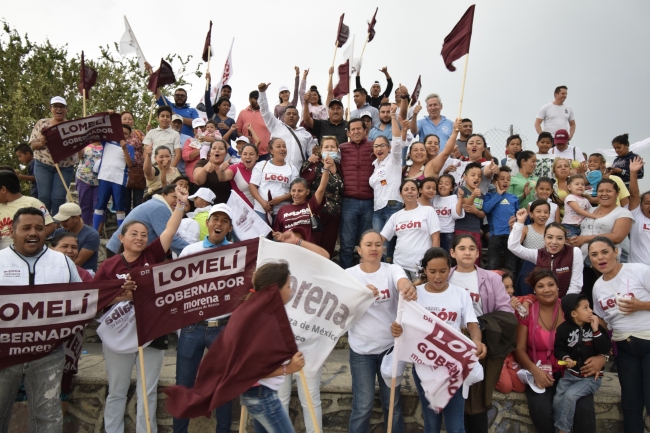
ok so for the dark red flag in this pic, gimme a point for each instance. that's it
(343, 33)
(257, 340)
(343, 87)
(457, 42)
(208, 41)
(416, 91)
(162, 77)
(371, 26)
(88, 77)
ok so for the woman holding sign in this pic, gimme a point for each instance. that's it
(120, 356)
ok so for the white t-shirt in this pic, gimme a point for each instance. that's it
(371, 335)
(387, 175)
(572, 153)
(460, 169)
(113, 164)
(570, 216)
(603, 225)
(640, 242)
(413, 229)
(512, 164)
(446, 210)
(637, 275)
(453, 306)
(469, 281)
(555, 117)
(270, 177)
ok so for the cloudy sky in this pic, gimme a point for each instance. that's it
(521, 50)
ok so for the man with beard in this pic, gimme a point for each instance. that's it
(333, 126)
(181, 108)
(251, 116)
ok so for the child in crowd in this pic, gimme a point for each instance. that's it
(621, 165)
(500, 206)
(114, 166)
(577, 339)
(427, 188)
(449, 208)
(544, 167)
(161, 175)
(532, 237)
(594, 174)
(472, 205)
(576, 207)
(508, 282)
(202, 199)
(513, 147)
(207, 137)
(544, 191)
(25, 155)
(598, 171)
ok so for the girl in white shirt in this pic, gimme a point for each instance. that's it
(453, 305)
(544, 191)
(427, 188)
(449, 208)
(416, 227)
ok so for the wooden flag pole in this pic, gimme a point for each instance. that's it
(310, 403)
(207, 83)
(462, 89)
(336, 47)
(153, 104)
(364, 49)
(393, 382)
(84, 101)
(67, 190)
(242, 419)
(145, 400)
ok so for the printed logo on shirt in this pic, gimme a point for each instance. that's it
(445, 129)
(401, 226)
(478, 202)
(476, 297)
(445, 211)
(11, 273)
(384, 296)
(646, 227)
(562, 270)
(276, 178)
(505, 201)
(446, 316)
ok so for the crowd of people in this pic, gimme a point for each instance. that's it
(413, 202)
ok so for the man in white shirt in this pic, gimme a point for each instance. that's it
(555, 115)
(299, 141)
(562, 148)
(194, 339)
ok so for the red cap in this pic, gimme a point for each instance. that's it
(561, 136)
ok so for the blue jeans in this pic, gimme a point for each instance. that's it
(364, 370)
(569, 389)
(51, 190)
(193, 341)
(379, 219)
(453, 413)
(266, 410)
(356, 218)
(446, 241)
(572, 230)
(634, 376)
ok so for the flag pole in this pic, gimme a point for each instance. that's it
(144, 388)
(393, 380)
(242, 419)
(336, 47)
(364, 48)
(207, 84)
(462, 89)
(84, 101)
(67, 190)
(310, 403)
(153, 104)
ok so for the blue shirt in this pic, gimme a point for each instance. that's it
(208, 244)
(499, 208)
(443, 130)
(88, 239)
(185, 111)
(376, 132)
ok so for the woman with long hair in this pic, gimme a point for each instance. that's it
(205, 171)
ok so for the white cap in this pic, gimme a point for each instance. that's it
(365, 113)
(283, 89)
(221, 207)
(66, 211)
(527, 378)
(197, 122)
(177, 117)
(58, 100)
(205, 193)
(243, 138)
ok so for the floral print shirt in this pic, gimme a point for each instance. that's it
(333, 191)
(135, 140)
(43, 155)
(91, 154)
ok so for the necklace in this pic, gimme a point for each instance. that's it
(544, 324)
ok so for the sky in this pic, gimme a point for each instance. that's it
(520, 51)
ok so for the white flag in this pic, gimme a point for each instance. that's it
(325, 300)
(246, 223)
(443, 357)
(348, 54)
(129, 44)
(215, 92)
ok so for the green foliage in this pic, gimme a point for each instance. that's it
(31, 73)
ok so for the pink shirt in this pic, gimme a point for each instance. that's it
(240, 181)
(189, 163)
(248, 116)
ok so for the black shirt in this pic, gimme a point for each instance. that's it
(220, 189)
(325, 127)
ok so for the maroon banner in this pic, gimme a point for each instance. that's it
(67, 138)
(343, 86)
(343, 33)
(34, 320)
(193, 288)
(416, 91)
(88, 77)
(371, 26)
(208, 42)
(162, 77)
(456, 44)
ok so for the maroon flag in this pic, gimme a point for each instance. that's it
(343, 87)
(457, 42)
(257, 340)
(416, 91)
(190, 289)
(208, 41)
(88, 77)
(371, 26)
(162, 77)
(37, 319)
(343, 33)
(67, 138)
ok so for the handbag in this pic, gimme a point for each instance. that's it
(316, 224)
(135, 178)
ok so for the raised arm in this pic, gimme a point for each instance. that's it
(635, 194)
(389, 82)
(270, 120)
(294, 101)
(433, 167)
(514, 240)
(303, 86)
(306, 116)
(414, 120)
(330, 89)
(167, 236)
(207, 102)
(290, 237)
(325, 177)
(149, 173)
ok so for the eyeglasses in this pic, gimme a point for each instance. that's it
(59, 106)
(377, 146)
(180, 95)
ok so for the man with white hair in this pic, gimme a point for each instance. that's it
(435, 123)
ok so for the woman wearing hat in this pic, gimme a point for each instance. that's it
(284, 96)
(51, 188)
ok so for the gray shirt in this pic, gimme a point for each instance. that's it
(374, 113)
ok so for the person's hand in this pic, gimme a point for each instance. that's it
(274, 201)
(406, 124)
(396, 329)
(331, 70)
(582, 167)
(499, 190)
(493, 167)
(514, 303)
(527, 189)
(250, 129)
(224, 166)
(522, 214)
(296, 364)
(276, 236)
(410, 293)
(636, 164)
(616, 170)
(148, 149)
(460, 193)
(265, 205)
(470, 208)
(233, 127)
(542, 378)
(305, 73)
(630, 306)
(129, 285)
(511, 222)
(209, 167)
(262, 87)
(328, 163)
(313, 158)
(148, 127)
(306, 97)
(393, 110)
(457, 124)
(208, 78)
(593, 366)
(148, 67)
(450, 169)
(402, 92)
(122, 144)
(374, 290)
(222, 125)
(577, 241)
(297, 69)
(481, 349)
(181, 194)
(384, 70)
(476, 192)
(417, 108)
(288, 237)
(570, 363)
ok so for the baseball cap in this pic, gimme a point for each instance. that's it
(177, 117)
(283, 89)
(364, 114)
(58, 100)
(204, 193)
(67, 210)
(221, 207)
(242, 138)
(527, 378)
(197, 122)
(335, 101)
(561, 136)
